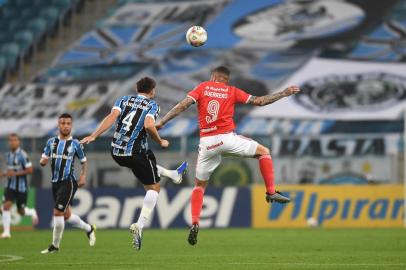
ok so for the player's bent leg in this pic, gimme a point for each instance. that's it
(148, 206)
(266, 168)
(31, 212)
(77, 222)
(175, 175)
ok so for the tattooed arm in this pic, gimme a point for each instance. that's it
(175, 111)
(82, 177)
(271, 98)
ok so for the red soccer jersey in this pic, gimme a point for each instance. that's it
(215, 105)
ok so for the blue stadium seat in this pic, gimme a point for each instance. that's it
(3, 64)
(38, 27)
(62, 5)
(15, 25)
(51, 16)
(24, 39)
(10, 51)
(28, 14)
(8, 13)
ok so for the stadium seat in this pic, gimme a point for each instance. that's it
(3, 64)
(24, 39)
(51, 16)
(38, 27)
(62, 5)
(10, 51)
(8, 13)
(28, 14)
(40, 2)
(14, 25)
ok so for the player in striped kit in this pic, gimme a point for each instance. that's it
(61, 151)
(135, 116)
(19, 167)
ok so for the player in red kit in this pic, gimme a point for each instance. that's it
(215, 103)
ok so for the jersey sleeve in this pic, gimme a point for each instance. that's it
(25, 160)
(154, 111)
(80, 151)
(195, 93)
(241, 96)
(47, 149)
(119, 104)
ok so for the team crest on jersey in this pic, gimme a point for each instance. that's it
(70, 149)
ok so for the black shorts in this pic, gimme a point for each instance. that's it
(63, 193)
(142, 164)
(15, 196)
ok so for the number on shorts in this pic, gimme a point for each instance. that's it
(128, 121)
(213, 109)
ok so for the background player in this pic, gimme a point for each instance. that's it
(62, 150)
(19, 167)
(135, 116)
(216, 100)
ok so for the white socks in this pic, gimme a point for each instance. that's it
(59, 225)
(173, 174)
(149, 204)
(77, 222)
(30, 212)
(6, 222)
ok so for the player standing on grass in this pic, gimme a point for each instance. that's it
(216, 100)
(19, 167)
(62, 150)
(135, 115)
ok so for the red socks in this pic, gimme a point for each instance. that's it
(196, 203)
(266, 167)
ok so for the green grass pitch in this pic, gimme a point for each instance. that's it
(216, 249)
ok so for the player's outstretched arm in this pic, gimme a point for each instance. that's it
(149, 125)
(175, 111)
(105, 125)
(271, 98)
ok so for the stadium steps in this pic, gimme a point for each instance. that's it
(81, 20)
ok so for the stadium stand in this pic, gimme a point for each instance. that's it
(26, 24)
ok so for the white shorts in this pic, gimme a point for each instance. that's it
(211, 148)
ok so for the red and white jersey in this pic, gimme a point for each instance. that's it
(215, 105)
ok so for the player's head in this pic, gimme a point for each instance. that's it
(65, 124)
(220, 74)
(146, 86)
(13, 141)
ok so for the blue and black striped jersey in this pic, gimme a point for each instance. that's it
(18, 161)
(130, 135)
(62, 156)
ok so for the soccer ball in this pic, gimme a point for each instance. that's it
(196, 36)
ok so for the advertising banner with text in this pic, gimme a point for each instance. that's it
(119, 208)
(331, 206)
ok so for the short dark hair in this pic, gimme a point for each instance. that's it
(145, 85)
(65, 115)
(14, 135)
(222, 70)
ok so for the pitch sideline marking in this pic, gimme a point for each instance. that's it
(10, 258)
(235, 263)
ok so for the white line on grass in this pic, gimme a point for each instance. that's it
(10, 258)
(231, 263)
